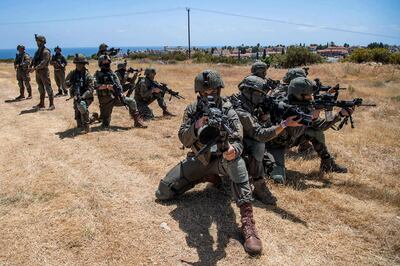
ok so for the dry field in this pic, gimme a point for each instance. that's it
(73, 199)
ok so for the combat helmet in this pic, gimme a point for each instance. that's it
(149, 70)
(208, 79)
(121, 65)
(40, 38)
(253, 83)
(57, 47)
(80, 59)
(294, 73)
(103, 46)
(19, 46)
(257, 66)
(299, 87)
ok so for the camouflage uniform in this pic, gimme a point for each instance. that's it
(127, 82)
(191, 171)
(59, 63)
(108, 98)
(81, 86)
(40, 63)
(144, 96)
(21, 65)
(314, 134)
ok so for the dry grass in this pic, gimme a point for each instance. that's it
(88, 199)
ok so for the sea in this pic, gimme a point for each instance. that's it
(87, 51)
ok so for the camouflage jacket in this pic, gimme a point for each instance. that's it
(189, 138)
(41, 59)
(252, 128)
(22, 61)
(58, 61)
(107, 78)
(144, 90)
(80, 82)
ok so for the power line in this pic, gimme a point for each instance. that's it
(91, 17)
(294, 23)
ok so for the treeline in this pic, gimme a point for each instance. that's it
(374, 53)
(295, 56)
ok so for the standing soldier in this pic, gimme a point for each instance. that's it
(21, 65)
(81, 87)
(59, 63)
(102, 50)
(110, 94)
(40, 63)
(146, 92)
(223, 158)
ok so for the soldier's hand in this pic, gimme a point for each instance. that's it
(156, 90)
(292, 122)
(201, 122)
(230, 154)
(315, 114)
(32, 70)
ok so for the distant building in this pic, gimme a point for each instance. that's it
(337, 51)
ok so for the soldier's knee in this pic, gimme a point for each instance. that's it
(165, 191)
(237, 170)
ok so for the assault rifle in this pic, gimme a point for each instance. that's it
(78, 84)
(319, 87)
(280, 110)
(164, 89)
(328, 101)
(217, 130)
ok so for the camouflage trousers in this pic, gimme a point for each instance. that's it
(107, 103)
(44, 83)
(254, 157)
(144, 110)
(190, 172)
(82, 111)
(317, 139)
(59, 76)
(275, 152)
(24, 82)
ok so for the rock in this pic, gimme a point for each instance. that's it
(165, 226)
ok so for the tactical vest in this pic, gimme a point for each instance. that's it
(19, 59)
(79, 79)
(38, 57)
(105, 78)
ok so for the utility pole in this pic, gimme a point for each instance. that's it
(188, 17)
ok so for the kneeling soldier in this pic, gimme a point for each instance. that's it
(212, 129)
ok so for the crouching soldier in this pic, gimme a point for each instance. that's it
(80, 83)
(256, 133)
(110, 94)
(212, 129)
(148, 91)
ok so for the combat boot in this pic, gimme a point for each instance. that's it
(20, 97)
(59, 93)
(329, 165)
(167, 113)
(51, 103)
(40, 106)
(138, 122)
(29, 96)
(252, 243)
(262, 193)
(94, 118)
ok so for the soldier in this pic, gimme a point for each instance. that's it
(40, 63)
(21, 65)
(102, 50)
(255, 133)
(314, 134)
(110, 94)
(127, 82)
(146, 92)
(221, 159)
(59, 63)
(81, 87)
(259, 69)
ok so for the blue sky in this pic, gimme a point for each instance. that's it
(170, 28)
